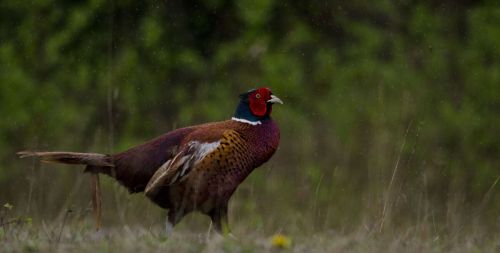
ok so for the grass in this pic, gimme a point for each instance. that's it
(80, 237)
(50, 223)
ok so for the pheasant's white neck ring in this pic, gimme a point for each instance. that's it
(253, 123)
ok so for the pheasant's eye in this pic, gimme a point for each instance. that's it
(257, 96)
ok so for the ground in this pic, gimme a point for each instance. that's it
(78, 238)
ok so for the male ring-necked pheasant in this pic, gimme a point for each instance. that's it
(189, 169)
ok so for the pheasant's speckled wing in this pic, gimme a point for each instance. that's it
(192, 153)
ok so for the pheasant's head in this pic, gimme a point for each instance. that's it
(256, 105)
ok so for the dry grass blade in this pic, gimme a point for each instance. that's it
(394, 171)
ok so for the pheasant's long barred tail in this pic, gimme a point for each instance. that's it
(92, 159)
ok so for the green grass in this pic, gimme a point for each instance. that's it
(80, 237)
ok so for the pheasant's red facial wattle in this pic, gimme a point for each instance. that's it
(258, 102)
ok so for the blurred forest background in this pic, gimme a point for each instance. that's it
(391, 116)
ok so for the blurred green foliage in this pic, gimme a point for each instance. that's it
(408, 90)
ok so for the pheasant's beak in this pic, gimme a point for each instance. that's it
(274, 99)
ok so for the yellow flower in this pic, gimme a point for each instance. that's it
(281, 241)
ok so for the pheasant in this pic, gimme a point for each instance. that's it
(195, 168)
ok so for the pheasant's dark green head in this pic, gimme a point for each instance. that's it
(256, 105)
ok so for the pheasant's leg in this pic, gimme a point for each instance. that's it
(173, 218)
(220, 220)
(169, 228)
